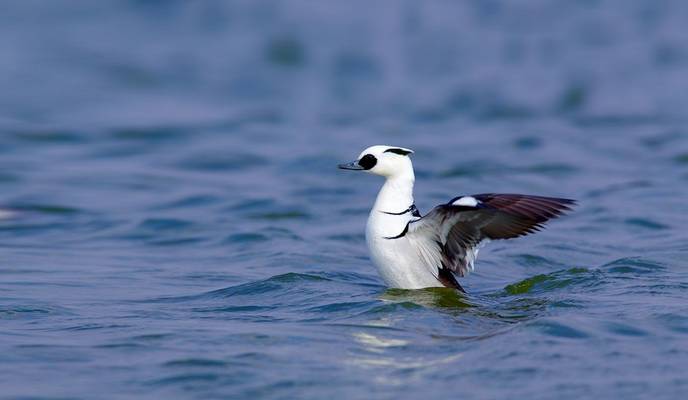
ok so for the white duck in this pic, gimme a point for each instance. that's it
(413, 252)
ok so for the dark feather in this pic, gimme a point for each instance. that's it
(447, 278)
(461, 228)
(399, 151)
(516, 215)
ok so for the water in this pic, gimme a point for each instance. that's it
(173, 224)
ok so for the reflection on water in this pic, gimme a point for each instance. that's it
(430, 297)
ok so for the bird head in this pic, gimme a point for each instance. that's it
(387, 161)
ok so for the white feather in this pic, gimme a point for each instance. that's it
(467, 201)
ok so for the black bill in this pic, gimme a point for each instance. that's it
(352, 165)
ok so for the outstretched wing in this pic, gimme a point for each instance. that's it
(450, 235)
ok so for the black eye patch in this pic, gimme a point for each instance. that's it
(368, 161)
(401, 152)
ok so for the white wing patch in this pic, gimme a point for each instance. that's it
(467, 201)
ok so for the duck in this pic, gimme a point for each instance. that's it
(414, 251)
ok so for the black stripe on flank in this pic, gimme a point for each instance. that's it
(402, 234)
(401, 152)
(412, 209)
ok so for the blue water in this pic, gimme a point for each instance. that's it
(172, 224)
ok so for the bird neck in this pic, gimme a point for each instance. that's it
(396, 194)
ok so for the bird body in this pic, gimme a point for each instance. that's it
(412, 251)
(397, 260)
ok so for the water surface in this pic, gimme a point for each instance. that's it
(172, 223)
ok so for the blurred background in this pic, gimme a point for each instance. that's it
(172, 222)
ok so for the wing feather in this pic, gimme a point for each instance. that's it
(450, 236)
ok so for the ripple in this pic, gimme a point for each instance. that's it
(516, 310)
(148, 134)
(657, 141)
(503, 110)
(489, 168)
(645, 223)
(253, 288)
(533, 260)
(195, 363)
(386, 309)
(54, 209)
(151, 337)
(618, 188)
(573, 98)
(286, 52)
(281, 215)
(272, 284)
(475, 168)
(233, 309)
(528, 142)
(341, 307)
(186, 378)
(619, 328)
(353, 277)
(30, 229)
(674, 322)
(558, 329)
(252, 204)
(164, 224)
(348, 238)
(618, 120)
(681, 159)
(177, 241)
(551, 169)
(190, 202)
(92, 326)
(554, 281)
(633, 265)
(13, 312)
(49, 137)
(8, 177)
(246, 238)
(54, 353)
(222, 162)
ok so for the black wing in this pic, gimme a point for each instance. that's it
(450, 234)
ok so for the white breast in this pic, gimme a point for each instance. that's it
(398, 261)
